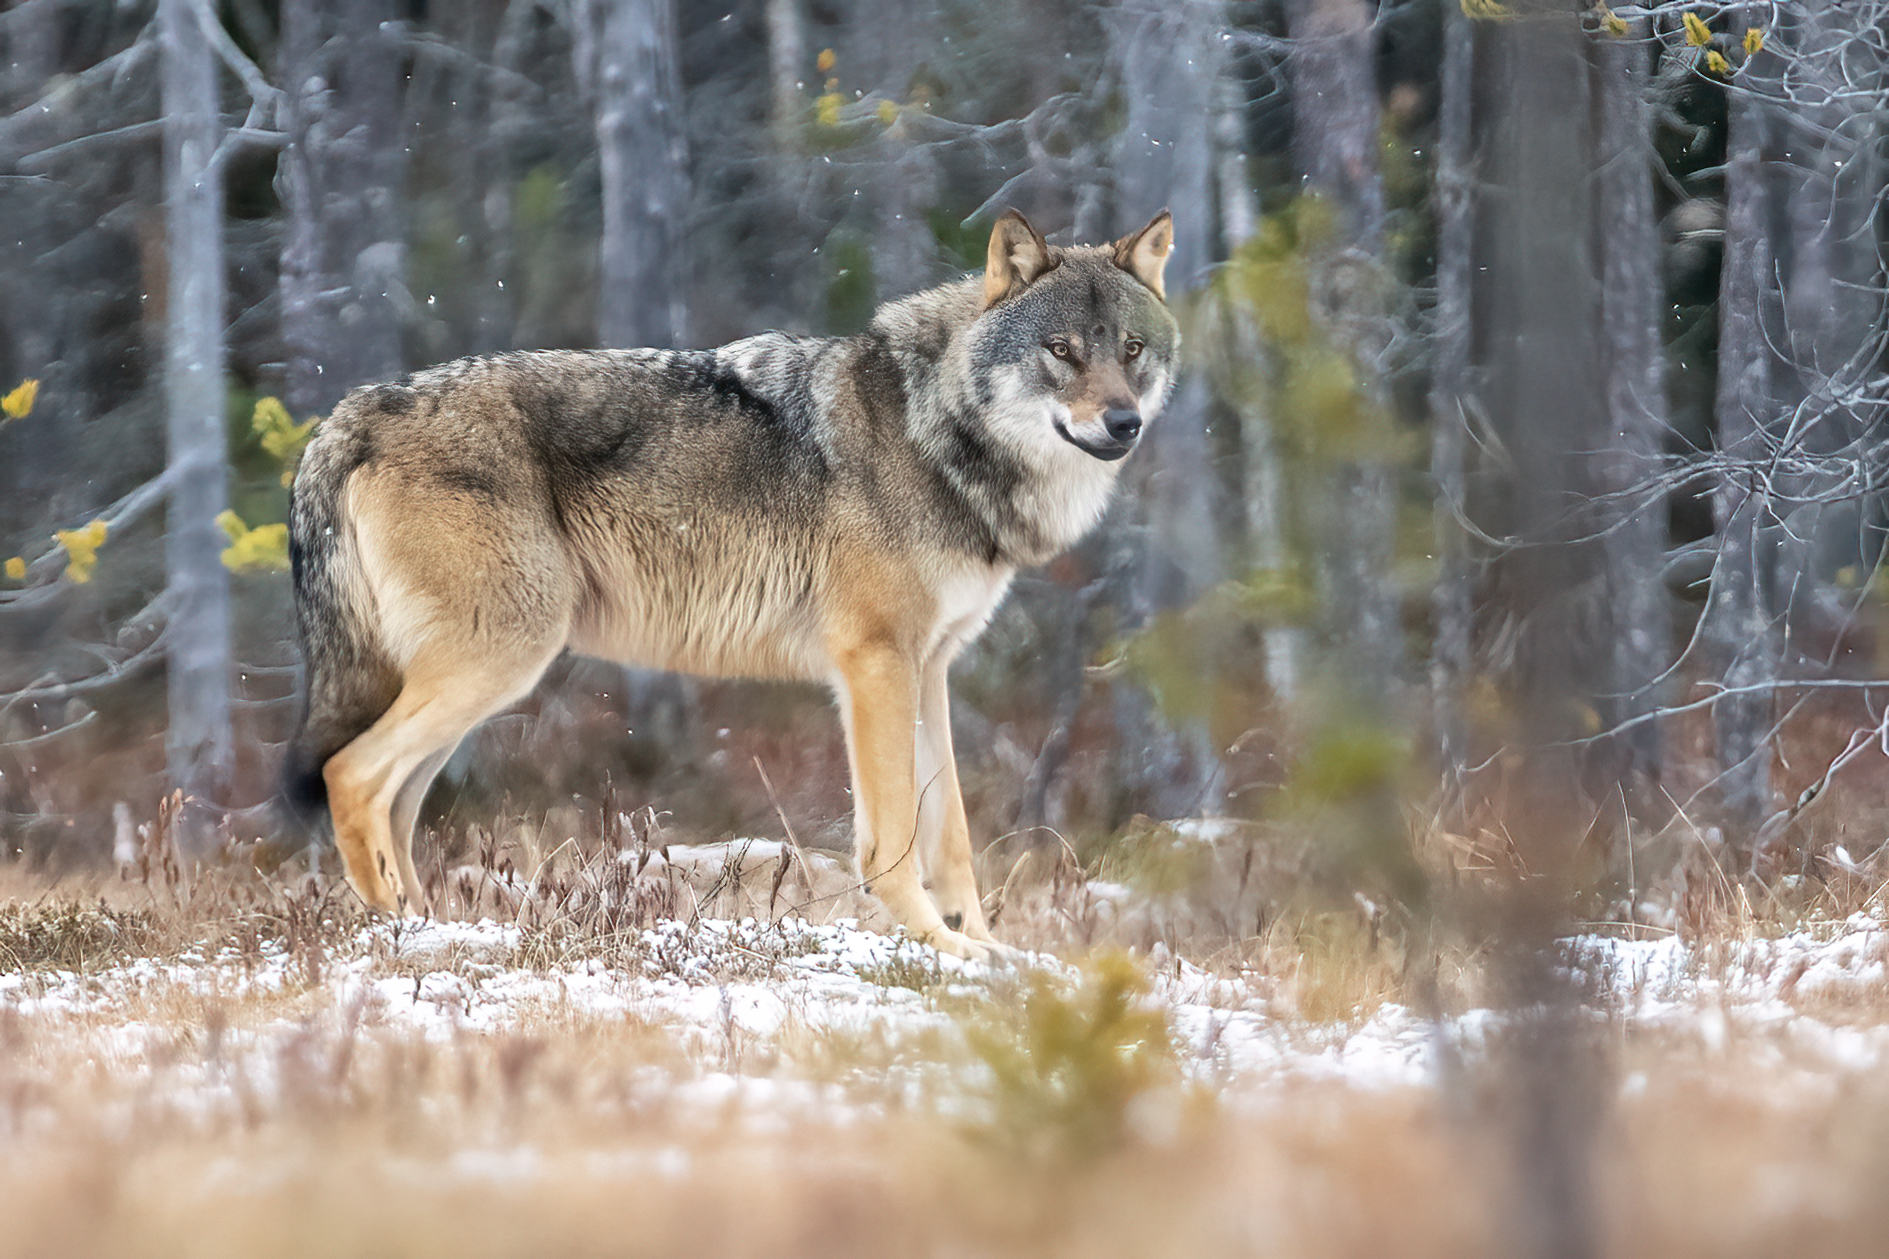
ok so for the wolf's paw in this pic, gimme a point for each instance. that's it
(987, 951)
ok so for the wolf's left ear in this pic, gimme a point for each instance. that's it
(1018, 254)
(1144, 254)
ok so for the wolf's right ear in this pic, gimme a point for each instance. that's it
(1018, 254)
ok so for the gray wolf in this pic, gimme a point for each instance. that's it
(846, 510)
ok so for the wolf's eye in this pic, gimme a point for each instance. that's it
(1133, 349)
(1060, 349)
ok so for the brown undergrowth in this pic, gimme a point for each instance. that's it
(1032, 1116)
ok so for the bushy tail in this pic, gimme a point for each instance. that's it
(349, 680)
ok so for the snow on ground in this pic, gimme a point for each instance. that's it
(702, 985)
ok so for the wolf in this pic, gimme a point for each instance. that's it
(845, 510)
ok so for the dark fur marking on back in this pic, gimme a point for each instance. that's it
(468, 480)
(701, 371)
(392, 399)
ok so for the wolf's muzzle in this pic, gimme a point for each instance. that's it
(1123, 428)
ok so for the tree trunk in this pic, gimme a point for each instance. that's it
(1543, 353)
(787, 68)
(340, 177)
(1830, 180)
(1262, 477)
(1453, 600)
(1739, 633)
(643, 150)
(1174, 551)
(1335, 137)
(630, 61)
(1631, 515)
(197, 745)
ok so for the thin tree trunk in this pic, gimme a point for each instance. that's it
(1739, 635)
(341, 176)
(1453, 599)
(1262, 477)
(1168, 60)
(197, 744)
(1335, 137)
(643, 150)
(629, 60)
(1544, 353)
(1632, 515)
(787, 67)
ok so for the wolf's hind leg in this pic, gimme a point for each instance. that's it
(376, 783)
(944, 833)
(406, 814)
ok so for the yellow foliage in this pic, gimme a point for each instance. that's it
(1697, 33)
(1612, 23)
(1486, 10)
(1716, 63)
(1754, 41)
(19, 404)
(888, 112)
(827, 109)
(16, 569)
(280, 435)
(81, 548)
(264, 547)
(826, 60)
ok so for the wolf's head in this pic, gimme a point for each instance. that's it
(1074, 346)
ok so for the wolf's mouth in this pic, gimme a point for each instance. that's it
(1108, 449)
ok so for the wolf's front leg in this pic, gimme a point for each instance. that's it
(944, 832)
(880, 704)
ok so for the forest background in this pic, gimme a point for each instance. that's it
(1525, 486)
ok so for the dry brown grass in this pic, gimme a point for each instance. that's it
(222, 1119)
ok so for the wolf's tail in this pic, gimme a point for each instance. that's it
(350, 679)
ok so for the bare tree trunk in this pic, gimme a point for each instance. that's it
(197, 745)
(1335, 136)
(1831, 184)
(787, 67)
(1543, 351)
(1262, 476)
(340, 177)
(1453, 600)
(1739, 634)
(1168, 60)
(643, 273)
(629, 60)
(1631, 515)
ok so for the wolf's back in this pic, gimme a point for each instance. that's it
(350, 680)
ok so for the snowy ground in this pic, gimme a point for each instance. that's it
(1816, 994)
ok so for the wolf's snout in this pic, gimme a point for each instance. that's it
(1123, 424)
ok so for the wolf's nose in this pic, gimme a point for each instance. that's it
(1122, 424)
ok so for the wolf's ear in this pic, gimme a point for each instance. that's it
(1144, 254)
(1018, 254)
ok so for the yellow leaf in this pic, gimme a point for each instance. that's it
(16, 569)
(1754, 41)
(827, 109)
(1716, 63)
(888, 112)
(280, 435)
(81, 548)
(1697, 33)
(1613, 23)
(19, 404)
(264, 547)
(826, 61)
(1486, 10)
